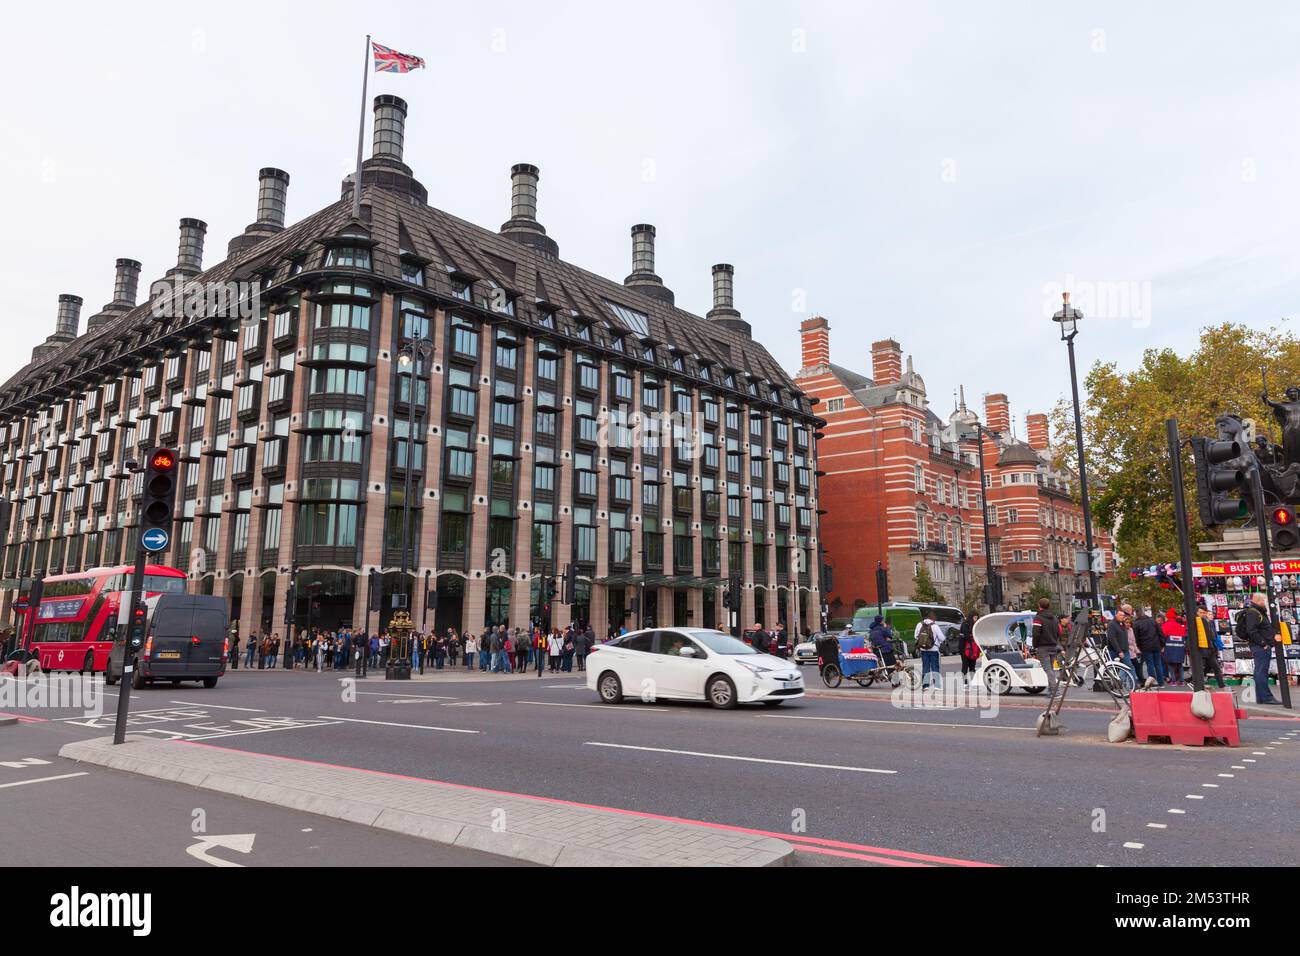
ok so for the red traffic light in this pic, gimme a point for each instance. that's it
(164, 459)
(1283, 516)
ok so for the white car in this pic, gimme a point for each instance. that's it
(682, 663)
(1002, 667)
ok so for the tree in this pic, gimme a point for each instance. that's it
(923, 589)
(1124, 428)
(1038, 589)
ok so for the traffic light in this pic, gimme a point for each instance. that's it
(828, 579)
(1222, 467)
(376, 592)
(1282, 524)
(732, 599)
(139, 623)
(548, 588)
(291, 602)
(159, 499)
(570, 593)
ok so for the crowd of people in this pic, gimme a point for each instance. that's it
(496, 650)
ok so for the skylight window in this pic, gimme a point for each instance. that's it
(638, 322)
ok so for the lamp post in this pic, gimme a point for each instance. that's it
(1069, 317)
(994, 585)
(409, 358)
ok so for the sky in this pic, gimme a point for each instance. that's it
(933, 172)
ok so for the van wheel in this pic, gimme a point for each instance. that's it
(209, 682)
(721, 692)
(137, 678)
(110, 679)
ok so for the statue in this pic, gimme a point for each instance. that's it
(1287, 415)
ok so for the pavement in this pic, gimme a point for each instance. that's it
(844, 778)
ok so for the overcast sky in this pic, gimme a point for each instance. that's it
(934, 172)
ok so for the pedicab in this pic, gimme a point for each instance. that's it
(1002, 667)
(852, 657)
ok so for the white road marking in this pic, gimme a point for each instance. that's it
(1134, 846)
(697, 753)
(1248, 760)
(262, 730)
(1176, 810)
(239, 842)
(1237, 766)
(389, 723)
(1212, 786)
(1259, 753)
(190, 703)
(372, 693)
(1194, 796)
(23, 783)
(556, 703)
(1229, 775)
(903, 723)
(1158, 826)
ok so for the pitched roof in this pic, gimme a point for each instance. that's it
(455, 249)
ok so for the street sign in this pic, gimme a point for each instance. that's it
(155, 539)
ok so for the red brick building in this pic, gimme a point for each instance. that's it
(901, 486)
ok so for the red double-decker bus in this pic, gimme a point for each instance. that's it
(79, 614)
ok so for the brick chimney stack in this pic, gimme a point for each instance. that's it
(815, 340)
(997, 413)
(886, 362)
(1038, 432)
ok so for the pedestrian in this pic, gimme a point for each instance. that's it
(1134, 653)
(554, 648)
(967, 649)
(453, 649)
(273, 651)
(1117, 638)
(1173, 648)
(928, 639)
(1151, 645)
(1207, 643)
(485, 649)
(252, 650)
(234, 652)
(471, 649)
(1045, 641)
(1255, 628)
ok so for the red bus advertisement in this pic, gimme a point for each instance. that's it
(79, 614)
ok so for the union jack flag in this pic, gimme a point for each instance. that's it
(390, 61)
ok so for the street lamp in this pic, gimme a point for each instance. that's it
(409, 358)
(994, 584)
(1069, 317)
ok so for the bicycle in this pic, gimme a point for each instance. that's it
(1102, 667)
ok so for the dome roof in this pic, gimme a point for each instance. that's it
(1018, 453)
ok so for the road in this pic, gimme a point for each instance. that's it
(850, 778)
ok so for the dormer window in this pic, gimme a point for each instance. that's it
(352, 257)
(412, 271)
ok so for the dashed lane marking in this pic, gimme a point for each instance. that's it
(190, 703)
(697, 753)
(1134, 846)
(903, 723)
(23, 783)
(389, 723)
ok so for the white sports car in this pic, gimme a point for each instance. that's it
(1002, 668)
(681, 663)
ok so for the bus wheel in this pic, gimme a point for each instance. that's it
(137, 678)
(88, 665)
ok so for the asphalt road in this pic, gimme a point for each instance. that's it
(850, 778)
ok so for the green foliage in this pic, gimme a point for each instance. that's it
(1124, 430)
(1038, 590)
(923, 589)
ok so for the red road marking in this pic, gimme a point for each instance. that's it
(26, 719)
(856, 856)
(802, 843)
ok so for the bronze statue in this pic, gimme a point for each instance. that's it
(1287, 415)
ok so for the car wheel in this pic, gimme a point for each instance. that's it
(137, 678)
(1034, 690)
(209, 682)
(773, 703)
(610, 688)
(831, 675)
(721, 692)
(997, 680)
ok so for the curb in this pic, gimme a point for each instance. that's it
(590, 830)
(8, 721)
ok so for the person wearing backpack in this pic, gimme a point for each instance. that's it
(927, 644)
(967, 649)
(1254, 627)
(1044, 641)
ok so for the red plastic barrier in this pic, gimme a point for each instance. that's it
(1169, 714)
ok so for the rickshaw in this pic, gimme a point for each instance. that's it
(852, 657)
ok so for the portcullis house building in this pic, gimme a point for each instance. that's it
(559, 418)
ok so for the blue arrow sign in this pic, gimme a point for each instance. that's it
(155, 539)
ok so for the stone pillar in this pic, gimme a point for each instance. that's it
(523, 569)
(475, 607)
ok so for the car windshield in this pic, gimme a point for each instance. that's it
(721, 643)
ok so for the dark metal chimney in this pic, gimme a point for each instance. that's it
(643, 277)
(724, 311)
(390, 128)
(189, 257)
(272, 188)
(126, 283)
(69, 320)
(523, 226)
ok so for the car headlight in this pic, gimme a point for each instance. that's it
(755, 668)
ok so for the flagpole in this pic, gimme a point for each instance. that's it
(361, 135)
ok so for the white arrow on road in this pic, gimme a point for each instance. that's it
(239, 842)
